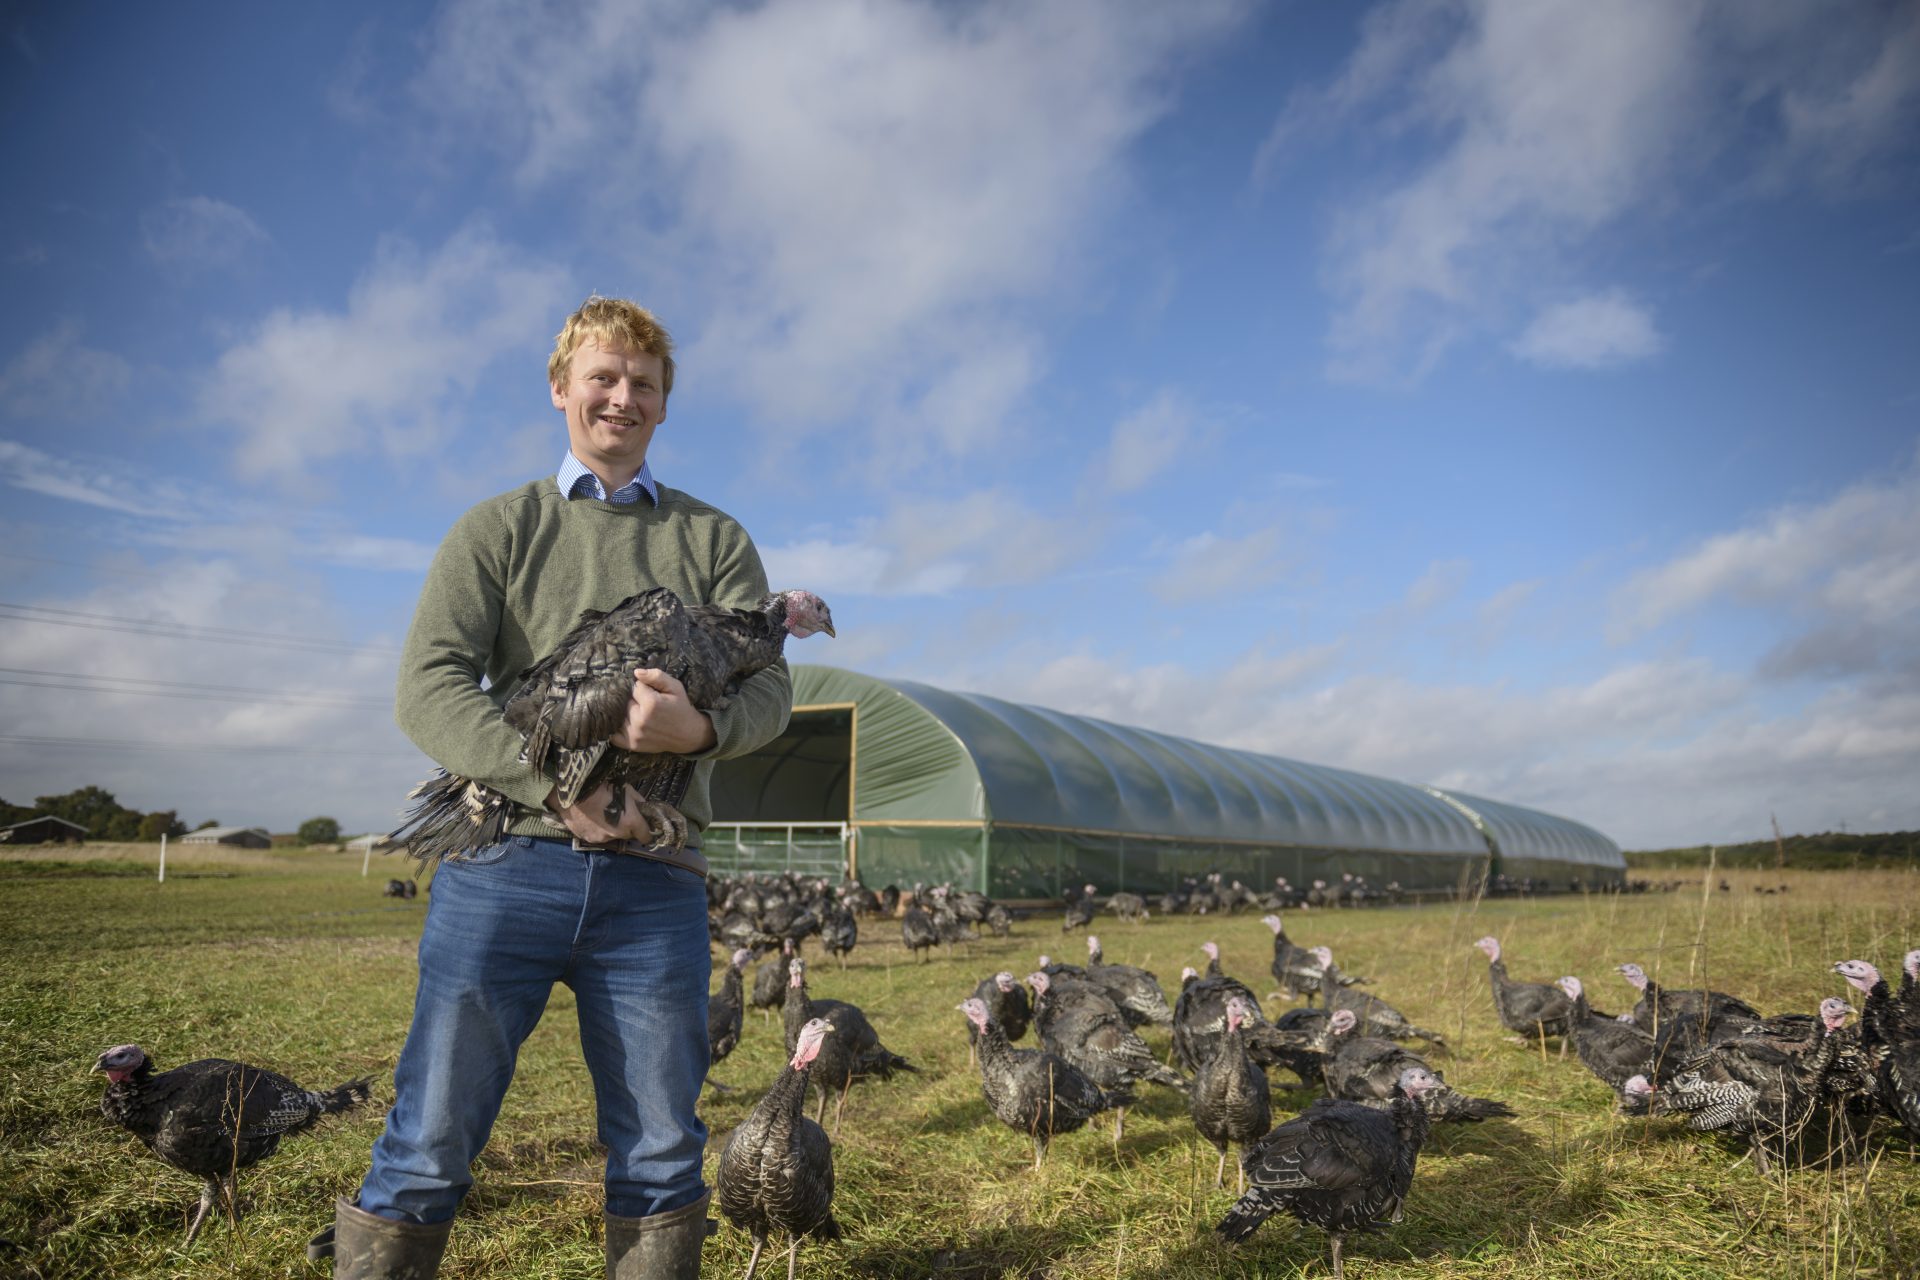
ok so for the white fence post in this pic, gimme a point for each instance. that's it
(163, 857)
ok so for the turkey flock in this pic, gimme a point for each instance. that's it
(1322, 1084)
(1064, 1049)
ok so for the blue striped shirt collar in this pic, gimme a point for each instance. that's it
(577, 482)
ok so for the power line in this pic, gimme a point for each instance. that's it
(190, 692)
(177, 630)
(256, 749)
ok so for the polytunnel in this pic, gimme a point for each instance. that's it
(903, 783)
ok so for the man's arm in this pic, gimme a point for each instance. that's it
(439, 703)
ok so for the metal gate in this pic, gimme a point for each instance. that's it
(810, 849)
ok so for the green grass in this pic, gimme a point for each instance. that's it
(293, 961)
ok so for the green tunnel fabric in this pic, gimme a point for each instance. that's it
(1019, 800)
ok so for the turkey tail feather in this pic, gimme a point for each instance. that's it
(1242, 1220)
(451, 817)
(345, 1097)
(1458, 1106)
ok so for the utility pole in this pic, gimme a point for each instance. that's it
(1779, 845)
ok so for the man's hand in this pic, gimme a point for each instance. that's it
(661, 718)
(586, 818)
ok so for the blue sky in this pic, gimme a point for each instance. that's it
(1520, 396)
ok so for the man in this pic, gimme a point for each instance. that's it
(622, 924)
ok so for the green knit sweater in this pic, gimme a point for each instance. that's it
(510, 581)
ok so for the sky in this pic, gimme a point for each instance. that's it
(1521, 396)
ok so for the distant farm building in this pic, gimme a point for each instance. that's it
(43, 830)
(238, 837)
(905, 782)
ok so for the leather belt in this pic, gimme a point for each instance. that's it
(688, 858)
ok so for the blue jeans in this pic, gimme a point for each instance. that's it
(629, 936)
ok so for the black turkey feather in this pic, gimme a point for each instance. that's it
(214, 1117)
(776, 1173)
(1526, 1008)
(1034, 1092)
(1367, 1070)
(1231, 1100)
(725, 1013)
(569, 704)
(854, 1052)
(1337, 1165)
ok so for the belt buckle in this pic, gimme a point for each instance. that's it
(581, 846)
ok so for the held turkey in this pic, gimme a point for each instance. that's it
(568, 706)
(214, 1117)
(1033, 1092)
(776, 1173)
(1337, 1165)
(1231, 1100)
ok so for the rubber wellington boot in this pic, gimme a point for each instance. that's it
(661, 1246)
(366, 1246)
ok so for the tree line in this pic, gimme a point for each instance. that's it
(1823, 850)
(105, 818)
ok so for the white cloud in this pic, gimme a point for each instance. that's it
(167, 514)
(1440, 583)
(1655, 754)
(59, 378)
(35, 471)
(1599, 331)
(1211, 566)
(388, 374)
(1835, 128)
(200, 231)
(982, 539)
(935, 545)
(874, 196)
(1855, 556)
(1148, 441)
(826, 567)
(1556, 119)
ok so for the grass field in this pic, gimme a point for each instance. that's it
(293, 961)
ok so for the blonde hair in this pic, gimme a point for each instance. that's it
(612, 322)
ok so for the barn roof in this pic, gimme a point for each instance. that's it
(45, 817)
